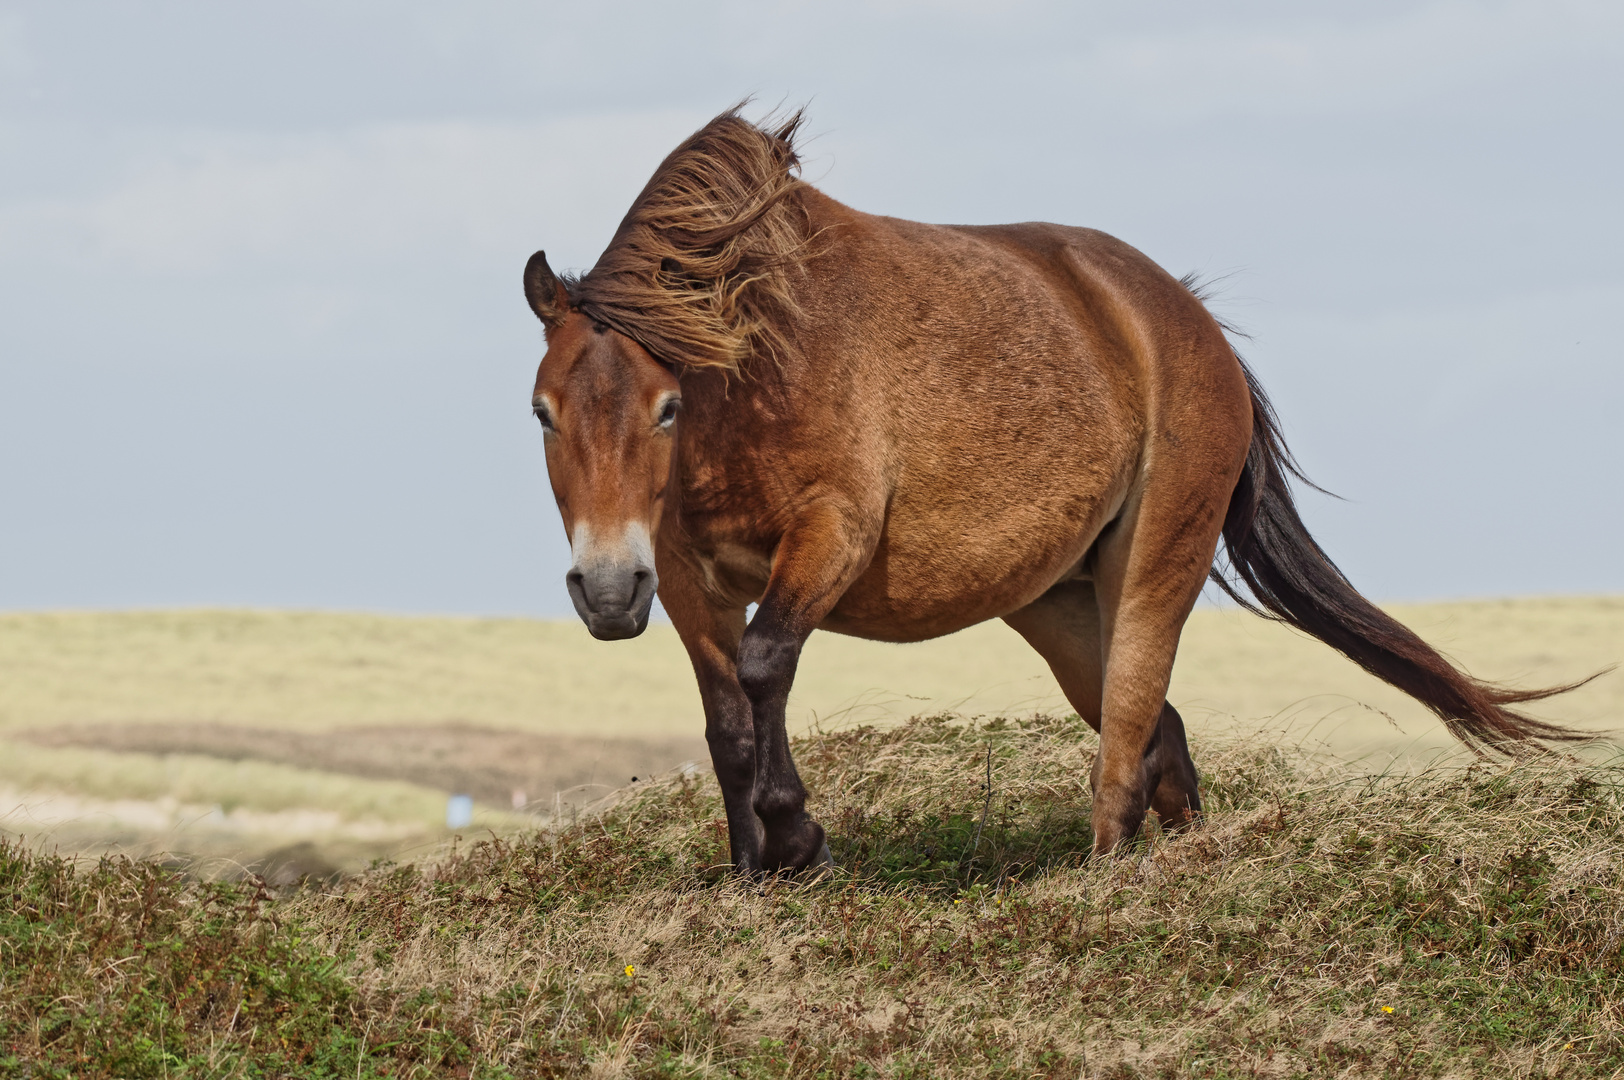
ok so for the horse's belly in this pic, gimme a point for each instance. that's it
(857, 616)
(937, 573)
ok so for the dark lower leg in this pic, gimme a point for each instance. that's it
(790, 838)
(732, 741)
(1177, 795)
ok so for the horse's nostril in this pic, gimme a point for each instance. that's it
(575, 583)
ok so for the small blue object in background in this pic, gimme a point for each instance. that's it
(459, 811)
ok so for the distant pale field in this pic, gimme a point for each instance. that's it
(319, 671)
(159, 731)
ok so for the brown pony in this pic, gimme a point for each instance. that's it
(895, 431)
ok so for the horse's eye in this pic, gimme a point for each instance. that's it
(545, 418)
(668, 414)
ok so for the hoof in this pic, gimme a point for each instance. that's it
(822, 866)
(803, 848)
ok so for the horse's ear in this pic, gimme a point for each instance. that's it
(547, 295)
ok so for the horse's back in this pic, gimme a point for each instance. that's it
(1050, 298)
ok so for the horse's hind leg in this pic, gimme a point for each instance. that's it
(1063, 626)
(1177, 796)
(1150, 567)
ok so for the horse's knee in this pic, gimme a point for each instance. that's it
(766, 665)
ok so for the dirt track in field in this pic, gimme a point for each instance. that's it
(486, 763)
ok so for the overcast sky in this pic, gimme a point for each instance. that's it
(262, 340)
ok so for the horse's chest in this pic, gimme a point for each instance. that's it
(733, 573)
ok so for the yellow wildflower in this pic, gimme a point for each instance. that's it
(630, 971)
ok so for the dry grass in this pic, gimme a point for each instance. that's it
(1323, 921)
(492, 766)
(218, 795)
(238, 734)
(215, 815)
(318, 672)
(315, 672)
(210, 781)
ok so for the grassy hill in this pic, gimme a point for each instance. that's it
(1461, 923)
(237, 734)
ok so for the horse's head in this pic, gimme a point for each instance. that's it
(609, 411)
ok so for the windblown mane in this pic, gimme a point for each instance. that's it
(700, 271)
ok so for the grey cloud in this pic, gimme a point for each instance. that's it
(261, 338)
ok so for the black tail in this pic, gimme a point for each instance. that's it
(1295, 582)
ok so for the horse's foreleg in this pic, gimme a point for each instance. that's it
(816, 560)
(768, 656)
(711, 636)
